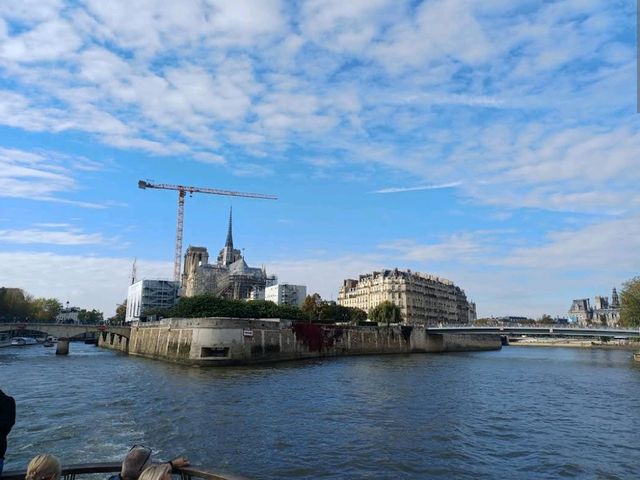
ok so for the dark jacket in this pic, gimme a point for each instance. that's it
(7, 419)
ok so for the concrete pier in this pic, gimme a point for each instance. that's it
(232, 341)
(62, 347)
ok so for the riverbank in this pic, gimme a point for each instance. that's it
(574, 343)
(235, 341)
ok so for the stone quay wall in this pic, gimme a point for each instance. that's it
(233, 341)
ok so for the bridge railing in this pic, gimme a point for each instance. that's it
(70, 472)
(536, 326)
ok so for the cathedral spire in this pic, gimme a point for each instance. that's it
(229, 242)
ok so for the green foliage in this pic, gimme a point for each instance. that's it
(320, 311)
(210, 306)
(44, 309)
(332, 313)
(386, 312)
(630, 303)
(357, 315)
(118, 318)
(546, 319)
(312, 306)
(90, 316)
(14, 305)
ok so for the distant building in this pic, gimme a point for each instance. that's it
(581, 311)
(286, 294)
(514, 319)
(230, 277)
(602, 313)
(68, 315)
(146, 294)
(422, 298)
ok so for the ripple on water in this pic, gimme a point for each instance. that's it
(525, 413)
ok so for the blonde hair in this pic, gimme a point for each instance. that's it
(155, 472)
(44, 467)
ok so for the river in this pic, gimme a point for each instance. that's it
(516, 413)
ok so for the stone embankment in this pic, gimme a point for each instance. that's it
(229, 341)
(573, 343)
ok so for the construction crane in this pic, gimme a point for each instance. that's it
(182, 191)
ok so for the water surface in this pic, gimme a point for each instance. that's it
(515, 413)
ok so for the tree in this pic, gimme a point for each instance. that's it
(90, 316)
(14, 304)
(630, 303)
(45, 309)
(546, 319)
(121, 311)
(211, 306)
(357, 315)
(311, 306)
(386, 312)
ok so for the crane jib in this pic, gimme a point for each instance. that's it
(213, 191)
(182, 190)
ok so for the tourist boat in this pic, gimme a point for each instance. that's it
(72, 472)
(22, 341)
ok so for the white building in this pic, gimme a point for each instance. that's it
(68, 315)
(286, 294)
(146, 294)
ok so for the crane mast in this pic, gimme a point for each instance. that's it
(182, 191)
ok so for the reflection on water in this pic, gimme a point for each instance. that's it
(517, 413)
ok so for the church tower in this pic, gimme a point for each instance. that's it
(615, 301)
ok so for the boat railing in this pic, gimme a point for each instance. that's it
(70, 472)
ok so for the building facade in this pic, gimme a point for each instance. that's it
(68, 315)
(422, 298)
(230, 277)
(602, 312)
(146, 294)
(286, 294)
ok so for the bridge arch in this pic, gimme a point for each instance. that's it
(118, 335)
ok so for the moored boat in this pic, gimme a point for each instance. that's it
(23, 341)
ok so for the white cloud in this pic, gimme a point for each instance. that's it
(51, 40)
(85, 281)
(463, 247)
(70, 236)
(610, 245)
(31, 11)
(43, 176)
(418, 188)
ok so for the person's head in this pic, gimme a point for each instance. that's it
(135, 462)
(44, 467)
(157, 472)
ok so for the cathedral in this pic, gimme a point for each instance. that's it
(230, 277)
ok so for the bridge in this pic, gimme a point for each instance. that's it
(547, 330)
(65, 331)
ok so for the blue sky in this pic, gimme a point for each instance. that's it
(492, 143)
